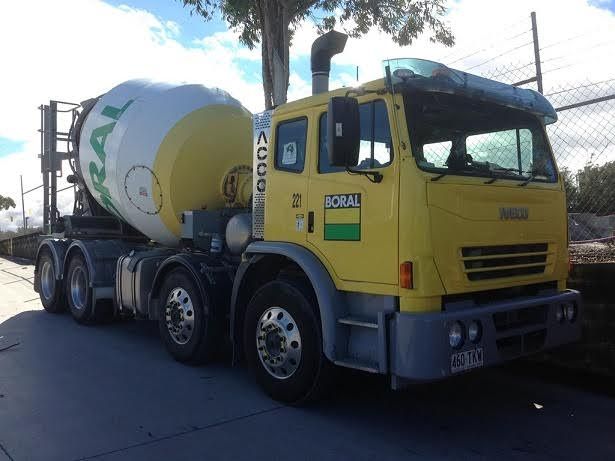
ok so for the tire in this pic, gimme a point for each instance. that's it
(280, 314)
(187, 324)
(78, 290)
(50, 290)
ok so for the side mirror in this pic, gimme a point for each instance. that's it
(343, 131)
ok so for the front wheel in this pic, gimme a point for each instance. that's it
(283, 342)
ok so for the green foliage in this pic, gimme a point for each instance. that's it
(572, 191)
(592, 190)
(403, 20)
(272, 23)
(6, 203)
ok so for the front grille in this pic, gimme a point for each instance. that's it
(499, 261)
(515, 346)
(511, 343)
(527, 316)
(482, 297)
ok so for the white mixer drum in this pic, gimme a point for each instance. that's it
(149, 151)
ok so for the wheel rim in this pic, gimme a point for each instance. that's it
(47, 280)
(78, 288)
(278, 342)
(179, 315)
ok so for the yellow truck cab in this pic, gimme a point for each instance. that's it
(421, 216)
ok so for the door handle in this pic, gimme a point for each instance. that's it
(310, 222)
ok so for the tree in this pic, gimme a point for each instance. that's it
(6, 203)
(272, 24)
(572, 191)
(596, 189)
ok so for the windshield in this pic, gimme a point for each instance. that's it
(457, 135)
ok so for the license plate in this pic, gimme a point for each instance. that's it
(466, 360)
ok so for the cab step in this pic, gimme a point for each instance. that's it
(350, 362)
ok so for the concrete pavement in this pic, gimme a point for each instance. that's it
(111, 392)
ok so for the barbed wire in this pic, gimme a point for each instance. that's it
(566, 90)
(500, 55)
(488, 37)
(491, 46)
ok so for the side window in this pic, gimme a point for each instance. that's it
(376, 147)
(290, 145)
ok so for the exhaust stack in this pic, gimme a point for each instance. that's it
(323, 49)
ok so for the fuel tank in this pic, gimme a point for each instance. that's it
(148, 151)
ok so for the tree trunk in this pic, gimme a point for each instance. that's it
(266, 74)
(275, 20)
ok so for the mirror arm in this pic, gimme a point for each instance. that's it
(374, 176)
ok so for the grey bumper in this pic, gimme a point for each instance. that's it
(419, 348)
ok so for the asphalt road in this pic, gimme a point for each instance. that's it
(111, 392)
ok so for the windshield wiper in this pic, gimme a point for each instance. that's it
(527, 181)
(494, 177)
(453, 170)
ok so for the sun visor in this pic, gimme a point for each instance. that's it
(420, 75)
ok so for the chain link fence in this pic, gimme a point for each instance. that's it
(583, 138)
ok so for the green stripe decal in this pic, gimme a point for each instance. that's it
(343, 231)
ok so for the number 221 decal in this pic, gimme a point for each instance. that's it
(296, 200)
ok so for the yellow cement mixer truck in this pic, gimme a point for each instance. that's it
(414, 226)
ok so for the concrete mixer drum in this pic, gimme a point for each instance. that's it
(149, 151)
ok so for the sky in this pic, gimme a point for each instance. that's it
(72, 50)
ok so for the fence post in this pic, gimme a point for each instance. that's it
(536, 52)
(23, 207)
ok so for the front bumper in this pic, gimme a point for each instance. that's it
(419, 348)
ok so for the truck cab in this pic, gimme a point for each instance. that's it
(439, 217)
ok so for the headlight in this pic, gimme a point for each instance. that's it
(570, 311)
(455, 335)
(474, 331)
(559, 313)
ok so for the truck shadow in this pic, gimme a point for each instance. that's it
(12, 260)
(504, 412)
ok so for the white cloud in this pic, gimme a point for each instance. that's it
(173, 28)
(93, 46)
(570, 32)
(103, 46)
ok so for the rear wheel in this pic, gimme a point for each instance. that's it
(51, 290)
(283, 342)
(78, 290)
(186, 322)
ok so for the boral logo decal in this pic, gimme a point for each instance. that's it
(343, 217)
(97, 141)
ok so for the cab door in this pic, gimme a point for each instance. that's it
(352, 221)
(287, 180)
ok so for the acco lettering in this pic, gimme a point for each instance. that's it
(261, 166)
